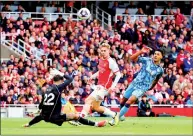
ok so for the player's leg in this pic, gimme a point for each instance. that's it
(126, 96)
(101, 109)
(125, 108)
(69, 108)
(99, 97)
(87, 106)
(34, 121)
(85, 121)
(135, 94)
(96, 95)
(123, 101)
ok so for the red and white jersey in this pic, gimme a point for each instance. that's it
(107, 68)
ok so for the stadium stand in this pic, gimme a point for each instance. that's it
(72, 46)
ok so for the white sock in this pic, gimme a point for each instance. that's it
(109, 112)
(96, 124)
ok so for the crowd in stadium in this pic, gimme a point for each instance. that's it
(74, 50)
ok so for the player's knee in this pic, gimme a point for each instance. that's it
(130, 102)
(123, 101)
(71, 116)
(95, 107)
(76, 116)
(88, 101)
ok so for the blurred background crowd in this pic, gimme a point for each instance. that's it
(73, 47)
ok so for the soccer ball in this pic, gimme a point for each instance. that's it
(84, 13)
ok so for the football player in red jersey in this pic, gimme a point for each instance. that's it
(107, 69)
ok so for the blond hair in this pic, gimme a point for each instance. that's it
(105, 45)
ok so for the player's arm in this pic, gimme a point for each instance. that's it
(115, 69)
(68, 80)
(95, 75)
(117, 77)
(135, 56)
(155, 81)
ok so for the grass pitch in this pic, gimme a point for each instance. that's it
(162, 125)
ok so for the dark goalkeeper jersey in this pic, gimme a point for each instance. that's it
(51, 99)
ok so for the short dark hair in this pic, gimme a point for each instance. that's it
(161, 51)
(57, 78)
(144, 96)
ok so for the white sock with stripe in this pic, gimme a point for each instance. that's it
(109, 112)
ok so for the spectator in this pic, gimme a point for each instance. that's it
(126, 12)
(179, 100)
(22, 100)
(170, 78)
(164, 12)
(190, 101)
(179, 83)
(6, 8)
(187, 63)
(3, 96)
(180, 58)
(58, 10)
(9, 100)
(69, 6)
(43, 10)
(110, 31)
(73, 48)
(164, 94)
(171, 12)
(144, 108)
(179, 18)
(131, 5)
(149, 21)
(20, 17)
(172, 99)
(60, 20)
(21, 68)
(11, 61)
(78, 99)
(115, 6)
(140, 12)
(150, 95)
(113, 100)
(124, 35)
(191, 19)
(41, 79)
(20, 9)
(186, 93)
(173, 55)
(120, 23)
(169, 5)
(166, 49)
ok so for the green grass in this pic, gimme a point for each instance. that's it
(162, 125)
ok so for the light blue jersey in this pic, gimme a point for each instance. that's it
(144, 80)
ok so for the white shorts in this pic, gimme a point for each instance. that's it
(99, 93)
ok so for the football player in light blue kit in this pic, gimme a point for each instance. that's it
(146, 79)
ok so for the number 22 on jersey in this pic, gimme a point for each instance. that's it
(48, 98)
